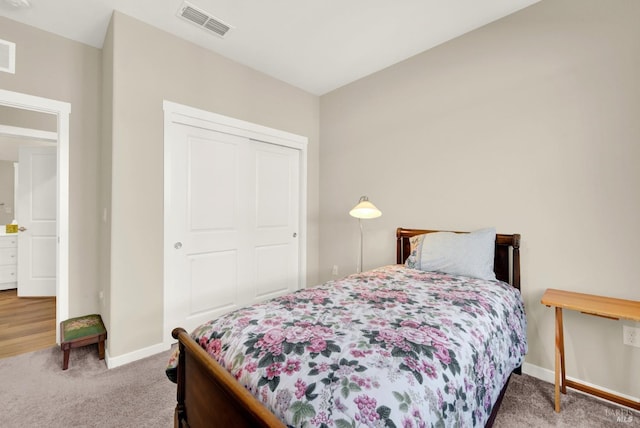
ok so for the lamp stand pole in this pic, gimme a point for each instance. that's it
(361, 246)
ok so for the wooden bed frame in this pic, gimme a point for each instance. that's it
(208, 395)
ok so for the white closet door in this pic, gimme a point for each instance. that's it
(233, 216)
(275, 229)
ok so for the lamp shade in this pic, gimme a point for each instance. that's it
(365, 209)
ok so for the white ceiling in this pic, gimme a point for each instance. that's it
(316, 45)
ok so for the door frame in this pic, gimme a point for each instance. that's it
(61, 110)
(184, 115)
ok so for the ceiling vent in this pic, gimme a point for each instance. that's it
(203, 19)
(7, 57)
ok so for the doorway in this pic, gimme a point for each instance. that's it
(60, 110)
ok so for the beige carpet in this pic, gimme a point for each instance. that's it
(529, 402)
(35, 392)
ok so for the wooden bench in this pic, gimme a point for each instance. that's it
(82, 331)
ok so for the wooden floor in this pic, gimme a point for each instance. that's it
(26, 323)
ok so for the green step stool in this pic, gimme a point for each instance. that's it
(82, 331)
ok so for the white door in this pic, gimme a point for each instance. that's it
(274, 229)
(233, 223)
(36, 215)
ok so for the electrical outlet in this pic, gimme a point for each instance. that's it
(631, 336)
(334, 271)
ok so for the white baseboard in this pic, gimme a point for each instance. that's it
(549, 376)
(120, 360)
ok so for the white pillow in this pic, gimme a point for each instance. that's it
(466, 254)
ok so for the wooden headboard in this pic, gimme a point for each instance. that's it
(501, 265)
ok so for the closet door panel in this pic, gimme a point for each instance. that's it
(209, 221)
(276, 220)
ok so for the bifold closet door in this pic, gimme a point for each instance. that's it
(233, 223)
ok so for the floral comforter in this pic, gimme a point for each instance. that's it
(392, 347)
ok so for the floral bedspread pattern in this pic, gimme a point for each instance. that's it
(393, 347)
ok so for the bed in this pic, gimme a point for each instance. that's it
(381, 350)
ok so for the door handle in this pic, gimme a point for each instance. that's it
(22, 228)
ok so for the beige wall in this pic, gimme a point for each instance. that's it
(54, 67)
(529, 124)
(27, 119)
(150, 66)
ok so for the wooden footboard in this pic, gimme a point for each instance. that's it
(209, 396)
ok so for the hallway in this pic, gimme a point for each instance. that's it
(26, 324)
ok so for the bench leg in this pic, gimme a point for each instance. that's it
(65, 359)
(101, 349)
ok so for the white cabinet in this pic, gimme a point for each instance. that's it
(8, 262)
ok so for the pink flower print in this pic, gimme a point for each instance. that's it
(273, 321)
(272, 341)
(384, 353)
(476, 334)
(301, 388)
(346, 320)
(319, 296)
(273, 370)
(468, 386)
(214, 347)
(414, 335)
(450, 388)
(317, 345)
(409, 323)
(442, 353)
(436, 335)
(447, 322)
(367, 407)
(321, 331)
(297, 334)
(412, 363)
(291, 366)
(238, 374)
(340, 406)
(251, 367)
(429, 369)
(203, 341)
(358, 353)
(389, 336)
(322, 419)
(243, 322)
(379, 322)
(369, 296)
(362, 382)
